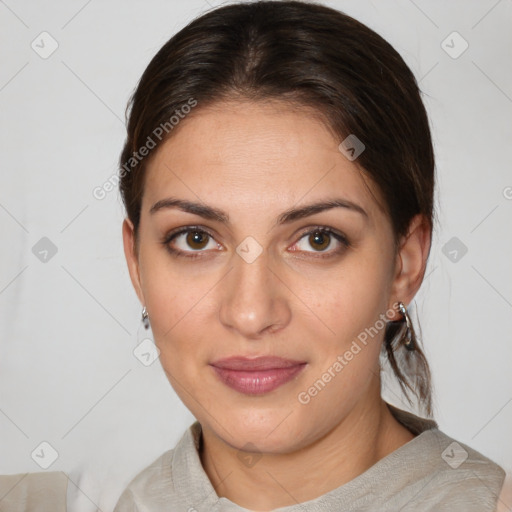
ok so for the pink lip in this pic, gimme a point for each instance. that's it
(258, 375)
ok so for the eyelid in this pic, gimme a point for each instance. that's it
(185, 229)
(338, 235)
(322, 229)
(171, 235)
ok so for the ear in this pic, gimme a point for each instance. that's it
(132, 259)
(411, 261)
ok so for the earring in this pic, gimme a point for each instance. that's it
(407, 339)
(145, 318)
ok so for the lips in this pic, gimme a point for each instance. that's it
(258, 375)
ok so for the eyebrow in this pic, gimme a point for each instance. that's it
(288, 216)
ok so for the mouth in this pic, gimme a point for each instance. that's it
(258, 375)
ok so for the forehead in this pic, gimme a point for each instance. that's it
(249, 153)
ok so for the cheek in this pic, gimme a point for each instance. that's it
(352, 299)
(177, 302)
(352, 304)
(178, 317)
(346, 357)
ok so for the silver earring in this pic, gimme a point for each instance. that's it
(408, 341)
(145, 318)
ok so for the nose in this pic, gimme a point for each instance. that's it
(254, 299)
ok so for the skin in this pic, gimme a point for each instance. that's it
(253, 161)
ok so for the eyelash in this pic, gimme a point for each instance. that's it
(198, 254)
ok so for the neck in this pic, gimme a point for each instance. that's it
(366, 435)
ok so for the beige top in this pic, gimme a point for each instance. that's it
(33, 492)
(432, 472)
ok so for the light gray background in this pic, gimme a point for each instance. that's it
(69, 325)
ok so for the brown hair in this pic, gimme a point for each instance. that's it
(311, 56)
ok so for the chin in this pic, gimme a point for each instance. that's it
(271, 429)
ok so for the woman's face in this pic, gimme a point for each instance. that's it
(247, 267)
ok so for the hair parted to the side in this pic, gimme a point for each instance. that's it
(314, 57)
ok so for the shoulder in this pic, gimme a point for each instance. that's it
(171, 480)
(505, 497)
(153, 485)
(443, 472)
(460, 476)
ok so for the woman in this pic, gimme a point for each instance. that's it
(278, 178)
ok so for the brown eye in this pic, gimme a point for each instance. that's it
(319, 241)
(322, 240)
(190, 242)
(197, 239)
